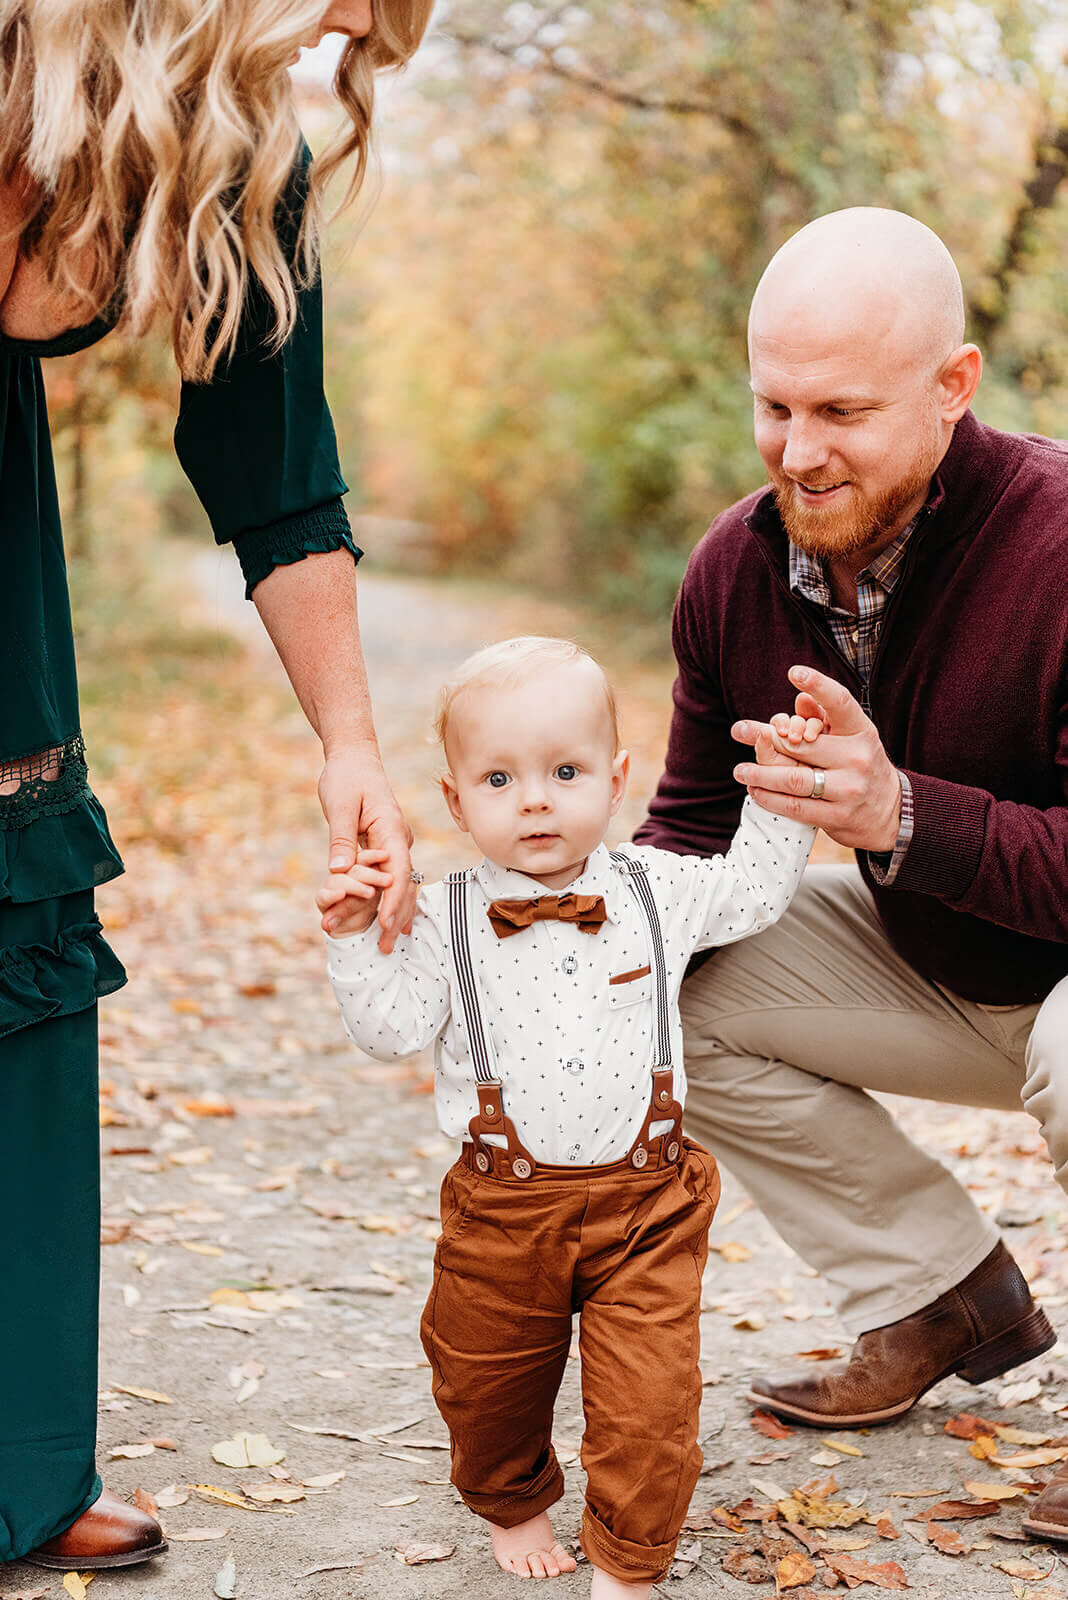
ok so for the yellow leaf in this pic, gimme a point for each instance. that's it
(794, 1570)
(201, 1249)
(732, 1251)
(845, 1449)
(1031, 1458)
(229, 1297)
(993, 1491)
(75, 1583)
(984, 1447)
(146, 1394)
(247, 1450)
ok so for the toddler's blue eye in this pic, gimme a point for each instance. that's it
(497, 780)
(567, 772)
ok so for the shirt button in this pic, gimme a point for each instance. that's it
(575, 1066)
(574, 1153)
(569, 965)
(855, 635)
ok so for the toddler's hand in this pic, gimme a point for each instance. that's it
(349, 900)
(804, 727)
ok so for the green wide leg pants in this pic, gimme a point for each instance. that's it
(49, 1247)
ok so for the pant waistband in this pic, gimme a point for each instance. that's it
(664, 1151)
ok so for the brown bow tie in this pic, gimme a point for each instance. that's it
(509, 916)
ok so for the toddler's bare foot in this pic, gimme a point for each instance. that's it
(605, 1587)
(530, 1550)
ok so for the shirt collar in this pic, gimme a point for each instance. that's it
(808, 574)
(598, 877)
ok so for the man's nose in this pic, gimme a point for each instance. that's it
(806, 449)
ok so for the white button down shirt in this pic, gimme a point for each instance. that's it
(573, 1049)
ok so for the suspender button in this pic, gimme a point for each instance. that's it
(482, 1161)
(663, 1097)
(521, 1168)
(673, 1150)
(640, 1157)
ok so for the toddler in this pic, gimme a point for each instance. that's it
(547, 978)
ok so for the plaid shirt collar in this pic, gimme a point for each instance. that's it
(808, 574)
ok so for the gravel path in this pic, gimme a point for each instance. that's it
(270, 1201)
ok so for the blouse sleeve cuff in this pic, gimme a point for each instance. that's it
(279, 544)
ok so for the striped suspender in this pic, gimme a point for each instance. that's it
(460, 938)
(637, 876)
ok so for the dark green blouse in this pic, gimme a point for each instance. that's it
(258, 445)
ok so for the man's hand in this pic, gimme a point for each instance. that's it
(349, 900)
(861, 804)
(360, 810)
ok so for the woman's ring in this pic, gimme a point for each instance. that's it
(416, 877)
(819, 783)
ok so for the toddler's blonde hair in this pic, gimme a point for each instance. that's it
(508, 663)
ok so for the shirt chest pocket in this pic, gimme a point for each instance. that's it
(628, 988)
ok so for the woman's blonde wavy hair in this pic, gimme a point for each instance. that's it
(154, 141)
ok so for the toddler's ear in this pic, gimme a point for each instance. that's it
(620, 776)
(452, 800)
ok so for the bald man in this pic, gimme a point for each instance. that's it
(911, 565)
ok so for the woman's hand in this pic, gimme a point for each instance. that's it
(360, 810)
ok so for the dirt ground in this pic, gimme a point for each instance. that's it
(270, 1211)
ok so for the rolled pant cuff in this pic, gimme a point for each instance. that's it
(507, 1511)
(630, 1563)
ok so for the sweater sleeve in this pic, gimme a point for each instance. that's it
(997, 859)
(391, 1005)
(257, 441)
(697, 803)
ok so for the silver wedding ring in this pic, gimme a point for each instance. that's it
(819, 783)
(416, 877)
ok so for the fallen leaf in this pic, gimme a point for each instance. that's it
(172, 1496)
(1025, 1569)
(247, 1450)
(747, 1564)
(164, 1443)
(402, 1500)
(200, 1249)
(813, 1512)
(198, 1535)
(144, 1394)
(732, 1251)
(948, 1540)
(130, 1452)
(885, 1529)
(993, 1491)
(770, 1426)
(1010, 1435)
(415, 1555)
(267, 1493)
(984, 1447)
(334, 1566)
(956, 1510)
(326, 1480)
(75, 1583)
(967, 1426)
(829, 1352)
(208, 1106)
(1031, 1458)
(845, 1449)
(825, 1458)
(226, 1579)
(887, 1575)
(793, 1570)
(1017, 1394)
(751, 1322)
(145, 1502)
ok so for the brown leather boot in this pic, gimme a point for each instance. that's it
(109, 1534)
(1049, 1513)
(978, 1330)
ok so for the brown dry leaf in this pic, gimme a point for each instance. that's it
(885, 1575)
(145, 1502)
(747, 1564)
(884, 1527)
(164, 1443)
(208, 1106)
(829, 1352)
(993, 1491)
(415, 1555)
(770, 1426)
(814, 1512)
(1025, 1569)
(751, 1322)
(794, 1570)
(967, 1426)
(948, 1540)
(144, 1394)
(957, 1510)
(198, 1535)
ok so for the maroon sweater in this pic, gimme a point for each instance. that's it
(969, 691)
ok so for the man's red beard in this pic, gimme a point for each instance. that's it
(855, 521)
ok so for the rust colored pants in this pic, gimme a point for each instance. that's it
(626, 1249)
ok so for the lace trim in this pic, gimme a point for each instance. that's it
(46, 783)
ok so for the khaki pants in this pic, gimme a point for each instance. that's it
(785, 1032)
(625, 1248)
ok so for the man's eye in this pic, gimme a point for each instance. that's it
(567, 772)
(843, 411)
(497, 780)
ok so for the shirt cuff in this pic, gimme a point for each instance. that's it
(307, 533)
(886, 866)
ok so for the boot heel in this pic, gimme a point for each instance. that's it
(1029, 1338)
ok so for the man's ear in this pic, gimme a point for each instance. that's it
(958, 381)
(620, 775)
(452, 800)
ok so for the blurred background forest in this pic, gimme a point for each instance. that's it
(536, 331)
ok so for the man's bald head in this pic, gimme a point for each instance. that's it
(868, 277)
